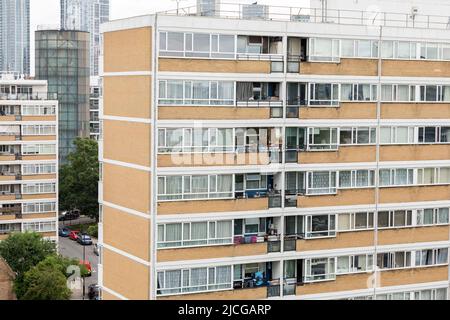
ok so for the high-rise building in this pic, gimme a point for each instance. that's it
(62, 58)
(28, 157)
(256, 159)
(86, 15)
(15, 36)
(94, 101)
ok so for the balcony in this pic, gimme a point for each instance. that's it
(28, 96)
(11, 212)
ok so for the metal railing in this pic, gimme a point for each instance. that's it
(316, 15)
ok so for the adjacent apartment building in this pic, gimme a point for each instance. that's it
(86, 15)
(275, 159)
(28, 157)
(15, 36)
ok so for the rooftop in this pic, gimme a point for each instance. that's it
(314, 15)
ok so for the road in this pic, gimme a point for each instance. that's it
(71, 249)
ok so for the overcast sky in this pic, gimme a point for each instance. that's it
(46, 12)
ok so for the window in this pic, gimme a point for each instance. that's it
(320, 269)
(396, 177)
(322, 138)
(44, 168)
(354, 264)
(434, 93)
(322, 94)
(200, 45)
(355, 221)
(38, 110)
(322, 182)
(431, 257)
(196, 92)
(195, 140)
(38, 130)
(359, 135)
(356, 179)
(38, 188)
(397, 135)
(394, 219)
(48, 226)
(194, 280)
(194, 234)
(358, 92)
(33, 149)
(432, 216)
(394, 260)
(39, 207)
(324, 50)
(320, 226)
(397, 93)
(427, 176)
(194, 187)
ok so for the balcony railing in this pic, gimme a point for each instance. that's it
(263, 103)
(317, 15)
(260, 56)
(290, 244)
(29, 96)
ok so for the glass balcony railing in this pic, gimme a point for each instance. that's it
(28, 96)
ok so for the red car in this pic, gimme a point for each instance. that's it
(73, 235)
(87, 265)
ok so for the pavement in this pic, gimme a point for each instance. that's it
(72, 249)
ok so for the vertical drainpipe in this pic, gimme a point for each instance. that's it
(153, 164)
(283, 162)
(377, 171)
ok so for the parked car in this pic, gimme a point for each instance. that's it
(88, 267)
(69, 215)
(64, 232)
(94, 292)
(74, 235)
(95, 249)
(84, 239)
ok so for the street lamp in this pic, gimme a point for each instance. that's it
(84, 278)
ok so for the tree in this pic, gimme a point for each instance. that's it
(47, 280)
(78, 179)
(22, 251)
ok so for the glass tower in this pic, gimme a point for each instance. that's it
(62, 58)
(15, 36)
(86, 15)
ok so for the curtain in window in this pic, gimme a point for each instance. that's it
(223, 276)
(173, 281)
(442, 256)
(386, 92)
(385, 177)
(344, 221)
(173, 234)
(174, 91)
(347, 92)
(226, 90)
(173, 187)
(225, 184)
(244, 91)
(443, 215)
(345, 179)
(199, 279)
(362, 178)
(199, 233)
(444, 175)
(343, 265)
(224, 230)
